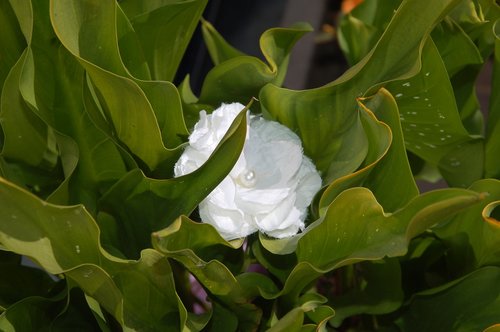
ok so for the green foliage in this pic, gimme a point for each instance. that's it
(96, 234)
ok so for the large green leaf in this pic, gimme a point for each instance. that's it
(164, 31)
(381, 161)
(492, 153)
(380, 291)
(360, 29)
(26, 137)
(202, 251)
(51, 83)
(394, 164)
(29, 281)
(65, 239)
(468, 304)
(431, 122)
(66, 310)
(385, 157)
(473, 236)
(218, 48)
(240, 78)
(324, 117)
(143, 205)
(463, 62)
(42, 312)
(11, 36)
(84, 29)
(351, 233)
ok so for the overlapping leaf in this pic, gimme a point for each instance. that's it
(473, 237)
(133, 107)
(468, 304)
(326, 116)
(492, 162)
(163, 30)
(139, 294)
(240, 77)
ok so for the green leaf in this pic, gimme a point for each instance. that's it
(130, 48)
(363, 232)
(164, 30)
(381, 291)
(360, 29)
(84, 29)
(205, 254)
(381, 161)
(385, 157)
(473, 236)
(468, 304)
(240, 78)
(325, 118)
(185, 241)
(199, 239)
(463, 70)
(42, 312)
(28, 281)
(51, 83)
(349, 234)
(11, 36)
(492, 162)
(218, 48)
(292, 321)
(394, 164)
(450, 39)
(143, 205)
(431, 123)
(26, 137)
(477, 18)
(64, 239)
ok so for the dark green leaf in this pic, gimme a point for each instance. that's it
(139, 294)
(238, 79)
(164, 30)
(218, 48)
(381, 291)
(492, 162)
(431, 122)
(468, 304)
(84, 29)
(474, 230)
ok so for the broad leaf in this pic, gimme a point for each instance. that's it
(26, 137)
(431, 122)
(163, 31)
(324, 117)
(380, 291)
(64, 239)
(473, 236)
(201, 250)
(240, 78)
(468, 304)
(218, 48)
(11, 36)
(492, 162)
(84, 29)
(352, 233)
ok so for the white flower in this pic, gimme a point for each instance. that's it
(270, 186)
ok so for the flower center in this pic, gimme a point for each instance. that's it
(247, 179)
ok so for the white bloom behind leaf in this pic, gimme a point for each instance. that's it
(270, 186)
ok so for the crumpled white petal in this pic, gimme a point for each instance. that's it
(270, 186)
